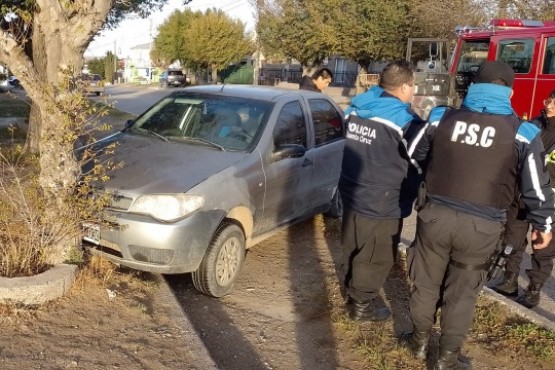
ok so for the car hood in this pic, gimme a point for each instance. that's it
(151, 165)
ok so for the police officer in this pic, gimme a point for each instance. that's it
(517, 227)
(476, 155)
(376, 176)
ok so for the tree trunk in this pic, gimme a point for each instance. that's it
(214, 75)
(59, 33)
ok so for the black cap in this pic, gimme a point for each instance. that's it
(491, 71)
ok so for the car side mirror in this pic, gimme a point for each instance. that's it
(434, 50)
(289, 151)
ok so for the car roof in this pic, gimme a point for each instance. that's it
(258, 92)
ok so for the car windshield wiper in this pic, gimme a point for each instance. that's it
(204, 141)
(153, 133)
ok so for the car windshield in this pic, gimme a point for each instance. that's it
(222, 122)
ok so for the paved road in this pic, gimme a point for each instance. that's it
(133, 99)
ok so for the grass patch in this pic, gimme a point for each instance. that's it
(498, 329)
(12, 134)
(113, 112)
(13, 106)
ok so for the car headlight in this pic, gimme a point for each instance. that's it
(167, 207)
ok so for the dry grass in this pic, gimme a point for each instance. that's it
(12, 105)
(495, 331)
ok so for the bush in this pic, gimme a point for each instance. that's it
(40, 227)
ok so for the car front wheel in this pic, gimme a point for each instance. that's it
(222, 262)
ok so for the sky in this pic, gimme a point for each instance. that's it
(135, 31)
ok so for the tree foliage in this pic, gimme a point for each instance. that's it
(96, 66)
(304, 30)
(196, 39)
(170, 44)
(310, 31)
(110, 66)
(438, 18)
(375, 30)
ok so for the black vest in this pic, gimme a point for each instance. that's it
(473, 158)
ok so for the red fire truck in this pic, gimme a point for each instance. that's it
(442, 78)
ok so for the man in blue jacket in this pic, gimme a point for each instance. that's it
(475, 157)
(377, 186)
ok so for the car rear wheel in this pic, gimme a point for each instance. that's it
(222, 262)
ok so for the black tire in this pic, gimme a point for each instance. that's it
(222, 262)
(336, 206)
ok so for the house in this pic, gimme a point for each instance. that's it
(138, 64)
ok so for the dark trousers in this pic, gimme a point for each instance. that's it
(516, 231)
(369, 248)
(444, 266)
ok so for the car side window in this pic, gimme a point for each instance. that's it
(327, 121)
(517, 53)
(291, 126)
(549, 58)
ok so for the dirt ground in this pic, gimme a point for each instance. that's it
(286, 312)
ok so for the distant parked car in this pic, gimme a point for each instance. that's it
(5, 85)
(210, 171)
(173, 77)
(93, 84)
(14, 81)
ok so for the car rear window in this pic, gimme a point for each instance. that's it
(175, 73)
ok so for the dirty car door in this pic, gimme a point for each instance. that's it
(287, 169)
(328, 132)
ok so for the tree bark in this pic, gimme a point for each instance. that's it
(214, 75)
(60, 33)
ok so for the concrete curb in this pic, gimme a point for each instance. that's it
(519, 310)
(167, 301)
(37, 289)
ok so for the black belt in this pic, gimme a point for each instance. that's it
(467, 267)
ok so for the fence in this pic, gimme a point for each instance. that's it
(273, 76)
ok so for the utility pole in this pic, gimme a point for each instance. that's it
(256, 62)
(115, 64)
(149, 52)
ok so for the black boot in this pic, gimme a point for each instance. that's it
(509, 286)
(531, 297)
(416, 342)
(373, 310)
(448, 360)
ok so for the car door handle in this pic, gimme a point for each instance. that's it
(307, 162)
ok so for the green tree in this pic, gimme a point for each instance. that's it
(310, 31)
(110, 66)
(96, 66)
(374, 30)
(304, 30)
(215, 40)
(170, 45)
